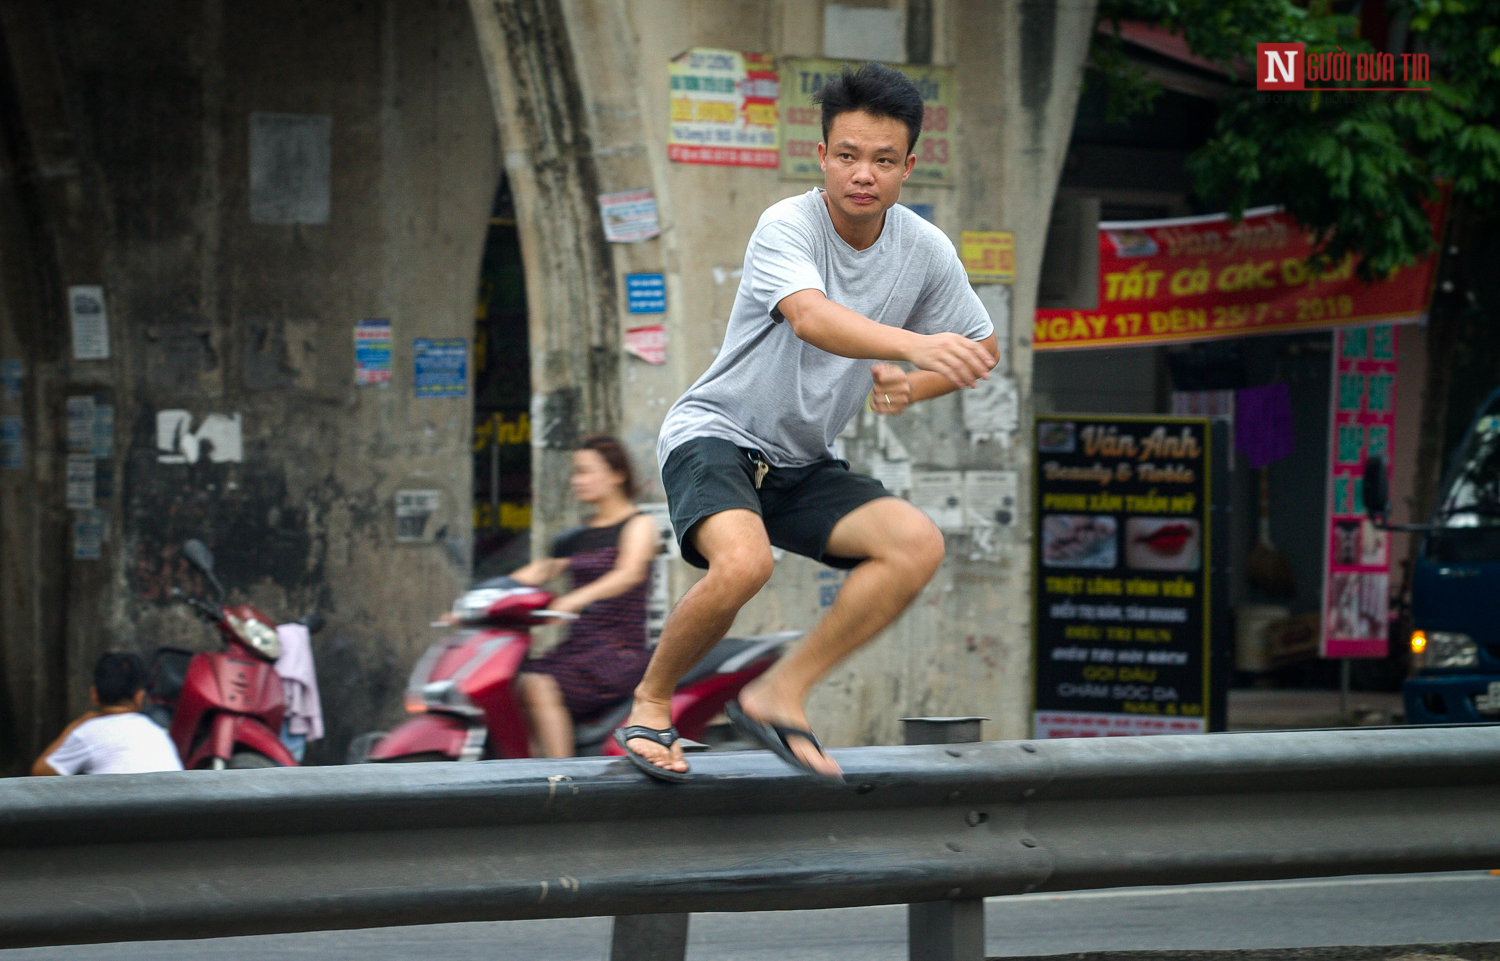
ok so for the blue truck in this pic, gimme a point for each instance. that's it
(1455, 593)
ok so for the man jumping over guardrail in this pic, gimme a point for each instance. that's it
(833, 279)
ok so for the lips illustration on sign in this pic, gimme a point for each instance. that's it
(1163, 544)
(1169, 539)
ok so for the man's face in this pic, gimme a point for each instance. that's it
(865, 162)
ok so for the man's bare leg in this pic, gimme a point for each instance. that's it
(738, 552)
(904, 550)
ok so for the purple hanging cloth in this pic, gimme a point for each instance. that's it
(1263, 423)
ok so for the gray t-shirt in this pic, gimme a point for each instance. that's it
(772, 391)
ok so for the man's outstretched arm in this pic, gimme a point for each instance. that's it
(959, 361)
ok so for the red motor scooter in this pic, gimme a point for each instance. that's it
(463, 697)
(225, 707)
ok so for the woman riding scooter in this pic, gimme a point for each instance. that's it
(609, 562)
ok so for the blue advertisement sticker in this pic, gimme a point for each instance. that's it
(646, 293)
(440, 367)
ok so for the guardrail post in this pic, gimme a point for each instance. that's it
(649, 937)
(951, 930)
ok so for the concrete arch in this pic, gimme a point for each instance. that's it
(546, 134)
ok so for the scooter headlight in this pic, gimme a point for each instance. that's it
(259, 635)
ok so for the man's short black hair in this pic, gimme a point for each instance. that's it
(875, 89)
(117, 677)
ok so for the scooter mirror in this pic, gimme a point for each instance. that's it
(199, 555)
(202, 558)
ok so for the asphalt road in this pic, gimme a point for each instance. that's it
(1400, 909)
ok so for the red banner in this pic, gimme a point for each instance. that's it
(1203, 278)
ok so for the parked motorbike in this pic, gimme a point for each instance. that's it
(221, 709)
(462, 690)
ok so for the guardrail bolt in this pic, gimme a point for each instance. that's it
(1029, 748)
(1028, 842)
(976, 818)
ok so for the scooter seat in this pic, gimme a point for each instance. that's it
(731, 648)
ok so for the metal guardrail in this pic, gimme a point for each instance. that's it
(197, 854)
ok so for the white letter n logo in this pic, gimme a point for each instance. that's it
(1274, 65)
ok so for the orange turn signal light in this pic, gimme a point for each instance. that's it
(1418, 641)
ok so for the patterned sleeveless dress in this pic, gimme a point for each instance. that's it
(604, 655)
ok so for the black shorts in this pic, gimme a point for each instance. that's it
(799, 505)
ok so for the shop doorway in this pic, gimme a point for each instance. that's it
(502, 399)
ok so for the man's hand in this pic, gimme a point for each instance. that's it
(892, 391)
(954, 356)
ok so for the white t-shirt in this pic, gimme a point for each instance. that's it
(129, 743)
(769, 390)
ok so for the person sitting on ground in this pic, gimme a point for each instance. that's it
(114, 737)
(609, 561)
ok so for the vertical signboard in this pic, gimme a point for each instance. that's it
(723, 108)
(802, 118)
(1356, 580)
(1122, 567)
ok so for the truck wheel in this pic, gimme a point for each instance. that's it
(242, 760)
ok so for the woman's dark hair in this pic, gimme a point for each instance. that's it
(614, 455)
(117, 677)
(875, 89)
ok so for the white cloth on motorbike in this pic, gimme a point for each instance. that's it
(128, 743)
(299, 682)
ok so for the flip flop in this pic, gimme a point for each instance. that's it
(666, 737)
(773, 737)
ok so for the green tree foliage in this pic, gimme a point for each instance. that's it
(1354, 168)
